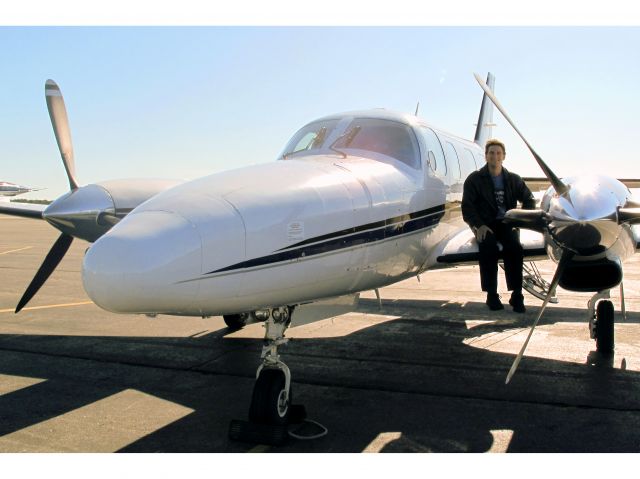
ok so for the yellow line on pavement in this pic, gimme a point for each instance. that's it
(16, 250)
(11, 310)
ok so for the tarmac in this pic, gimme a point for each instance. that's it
(423, 372)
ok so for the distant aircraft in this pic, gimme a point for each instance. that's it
(356, 201)
(11, 189)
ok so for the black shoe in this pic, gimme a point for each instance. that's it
(517, 302)
(493, 301)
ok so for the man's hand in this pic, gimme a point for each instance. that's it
(482, 232)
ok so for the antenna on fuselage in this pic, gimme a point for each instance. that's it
(417, 108)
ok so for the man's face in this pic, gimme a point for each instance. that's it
(494, 156)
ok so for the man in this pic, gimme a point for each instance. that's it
(488, 194)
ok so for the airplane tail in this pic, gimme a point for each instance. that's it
(485, 119)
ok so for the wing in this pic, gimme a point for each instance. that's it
(542, 184)
(26, 210)
(462, 248)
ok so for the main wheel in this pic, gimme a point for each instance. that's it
(268, 403)
(604, 327)
(235, 321)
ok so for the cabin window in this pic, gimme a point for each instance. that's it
(437, 161)
(470, 161)
(452, 155)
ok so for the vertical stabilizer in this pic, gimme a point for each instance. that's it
(485, 119)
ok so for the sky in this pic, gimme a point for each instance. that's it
(188, 101)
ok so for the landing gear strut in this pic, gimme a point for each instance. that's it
(534, 283)
(601, 321)
(271, 410)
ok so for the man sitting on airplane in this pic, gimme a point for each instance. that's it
(488, 194)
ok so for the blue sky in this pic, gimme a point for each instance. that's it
(182, 102)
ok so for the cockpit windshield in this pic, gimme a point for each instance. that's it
(309, 138)
(387, 137)
(369, 135)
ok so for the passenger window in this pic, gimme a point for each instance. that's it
(437, 161)
(470, 160)
(453, 158)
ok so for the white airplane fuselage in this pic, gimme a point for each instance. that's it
(307, 227)
(347, 214)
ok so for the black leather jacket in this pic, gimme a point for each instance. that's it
(479, 201)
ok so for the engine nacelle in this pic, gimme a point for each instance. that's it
(588, 276)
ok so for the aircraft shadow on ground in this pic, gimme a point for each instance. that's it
(421, 379)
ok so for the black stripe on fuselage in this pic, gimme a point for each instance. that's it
(357, 236)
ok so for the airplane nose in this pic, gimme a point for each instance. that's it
(134, 268)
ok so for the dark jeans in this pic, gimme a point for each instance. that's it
(512, 255)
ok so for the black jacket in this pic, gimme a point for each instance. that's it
(479, 200)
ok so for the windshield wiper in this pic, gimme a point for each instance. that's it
(317, 141)
(348, 136)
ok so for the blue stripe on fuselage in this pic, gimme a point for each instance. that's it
(359, 235)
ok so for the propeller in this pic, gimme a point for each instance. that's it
(53, 258)
(557, 184)
(60, 124)
(562, 264)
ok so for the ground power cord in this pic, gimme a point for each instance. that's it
(295, 432)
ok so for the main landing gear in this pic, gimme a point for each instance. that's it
(271, 409)
(601, 320)
(534, 283)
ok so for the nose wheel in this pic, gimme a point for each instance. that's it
(601, 322)
(271, 410)
(270, 400)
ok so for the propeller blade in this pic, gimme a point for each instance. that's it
(60, 123)
(536, 220)
(55, 255)
(564, 260)
(630, 215)
(557, 184)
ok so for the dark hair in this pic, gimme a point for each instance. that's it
(494, 142)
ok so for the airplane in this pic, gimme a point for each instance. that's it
(11, 189)
(356, 201)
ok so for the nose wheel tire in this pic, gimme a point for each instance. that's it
(269, 403)
(604, 327)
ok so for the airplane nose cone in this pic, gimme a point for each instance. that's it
(138, 265)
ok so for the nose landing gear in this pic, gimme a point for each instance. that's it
(271, 409)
